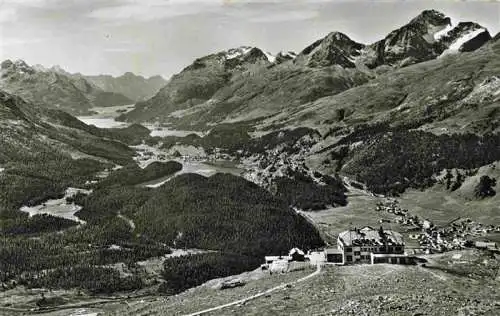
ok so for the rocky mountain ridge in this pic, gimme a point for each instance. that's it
(54, 88)
(436, 111)
(134, 87)
(247, 84)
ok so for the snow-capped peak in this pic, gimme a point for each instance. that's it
(270, 57)
(237, 52)
(455, 46)
(444, 31)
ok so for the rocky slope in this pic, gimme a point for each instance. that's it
(54, 88)
(247, 84)
(134, 87)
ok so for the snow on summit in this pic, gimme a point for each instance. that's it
(270, 57)
(455, 46)
(443, 32)
(237, 52)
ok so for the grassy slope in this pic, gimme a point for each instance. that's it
(360, 289)
(440, 205)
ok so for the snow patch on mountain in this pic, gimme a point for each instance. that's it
(443, 32)
(270, 57)
(237, 52)
(289, 54)
(455, 46)
(435, 32)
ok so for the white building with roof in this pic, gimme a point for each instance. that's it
(358, 245)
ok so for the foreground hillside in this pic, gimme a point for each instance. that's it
(449, 285)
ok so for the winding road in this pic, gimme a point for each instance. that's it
(249, 298)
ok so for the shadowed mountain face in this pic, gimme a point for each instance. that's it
(55, 88)
(247, 84)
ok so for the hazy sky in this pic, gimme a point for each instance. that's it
(163, 36)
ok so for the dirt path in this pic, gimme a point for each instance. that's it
(128, 220)
(242, 301)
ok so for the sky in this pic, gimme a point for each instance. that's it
(151, 37)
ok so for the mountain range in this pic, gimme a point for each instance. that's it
(424, 98)
(247, 83)
(134, 87)
(74, 93)
(335, 128)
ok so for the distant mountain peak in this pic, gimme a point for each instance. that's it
(19, 66)
(432, 17)
(6, 64)
(21, 63)
(465, 37)
(130, 74)
(60, 70)
(335, 48)
(237, 52)
(426, 37)
(234, 58)
(284, 56)
(338, 36)
(135, 87)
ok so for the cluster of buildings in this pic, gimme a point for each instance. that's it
(371, 246)
(365, 245)
(454, 235)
